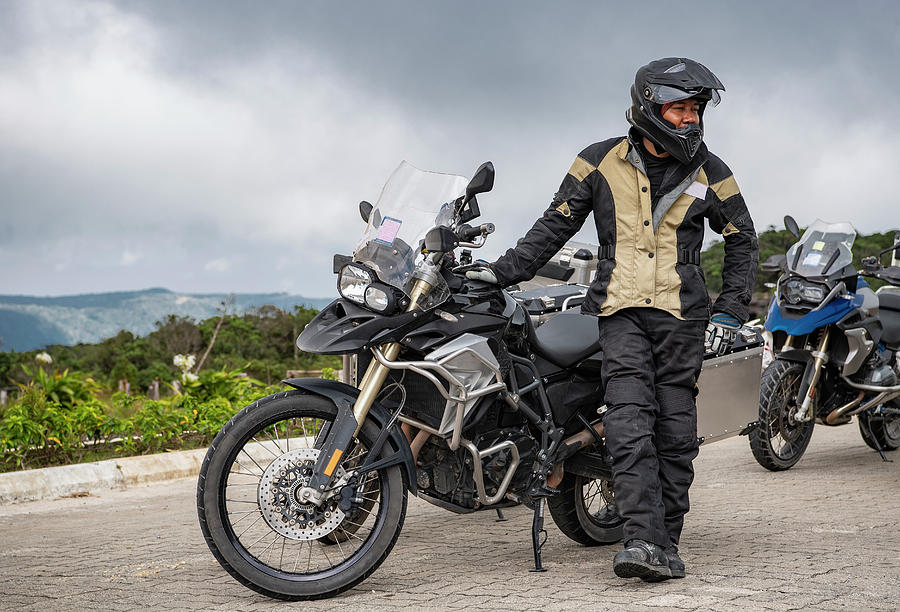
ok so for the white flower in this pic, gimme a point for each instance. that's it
(184, 362)
(189, 376)
(43, 358)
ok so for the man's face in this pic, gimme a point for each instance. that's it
(682, 113)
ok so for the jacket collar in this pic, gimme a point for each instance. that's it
(631, 153)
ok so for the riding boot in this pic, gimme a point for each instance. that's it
(643, 560)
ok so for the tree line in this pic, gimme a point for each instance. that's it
(260, 342)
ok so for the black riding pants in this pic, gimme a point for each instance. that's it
(651, 361)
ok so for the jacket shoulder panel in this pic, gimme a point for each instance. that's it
(589, 158)
(721, 179)
(595, 153)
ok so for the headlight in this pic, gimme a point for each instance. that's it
(796, 290)
(353, 281)
(379, 298)
(359, 284)
(813, 293)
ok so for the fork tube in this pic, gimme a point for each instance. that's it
(805, 411)
(376, 373)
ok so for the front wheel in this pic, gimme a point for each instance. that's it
(880, 431)
(780, 440)
(585, 511)
(256, 515)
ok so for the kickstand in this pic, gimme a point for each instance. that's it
(500, 517)
(537, 528)
(875, 440)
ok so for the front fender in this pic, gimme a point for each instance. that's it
(344, 396)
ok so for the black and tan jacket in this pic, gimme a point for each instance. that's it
(649, 256)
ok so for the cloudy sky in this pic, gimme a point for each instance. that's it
(223, 146)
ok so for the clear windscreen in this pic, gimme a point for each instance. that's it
(823, 248)
(412, 202)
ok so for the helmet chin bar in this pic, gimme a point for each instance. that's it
(681, 144)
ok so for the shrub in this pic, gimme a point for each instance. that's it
(234, 386)
(64, 388)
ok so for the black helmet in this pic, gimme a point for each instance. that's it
(669, 80)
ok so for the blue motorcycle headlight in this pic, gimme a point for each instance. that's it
(813, 293)
(796, 290)
(790, 291)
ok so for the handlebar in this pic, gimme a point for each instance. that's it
(871, 266)
(467, 233)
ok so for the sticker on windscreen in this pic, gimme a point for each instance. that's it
(388, 231)
(812, 259)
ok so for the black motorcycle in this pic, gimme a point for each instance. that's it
(459, 399)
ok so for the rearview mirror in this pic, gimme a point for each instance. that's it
(775, 263)
(482, 181)
(365, 209)
(791, 226)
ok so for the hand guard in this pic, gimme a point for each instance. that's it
(485, 275)
(721, 333)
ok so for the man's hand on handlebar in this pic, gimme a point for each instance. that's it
(484, 274)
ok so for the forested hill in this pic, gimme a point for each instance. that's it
(28, 322)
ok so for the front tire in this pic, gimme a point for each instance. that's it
(254, 523)
(585, 511)
(886, 431)
(779, 442)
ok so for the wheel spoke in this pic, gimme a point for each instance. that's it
(261, 470)
(270, 451)
(248, 529)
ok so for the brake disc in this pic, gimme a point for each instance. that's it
(279, 496)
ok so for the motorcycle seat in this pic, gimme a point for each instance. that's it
(889, 313)
(567, 338)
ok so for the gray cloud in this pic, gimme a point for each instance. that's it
(223, 146)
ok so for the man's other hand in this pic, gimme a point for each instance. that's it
(721, 333)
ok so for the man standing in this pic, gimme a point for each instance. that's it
(650, 193)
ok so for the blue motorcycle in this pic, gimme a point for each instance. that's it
(836, 345)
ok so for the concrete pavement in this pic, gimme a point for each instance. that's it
(823, 535)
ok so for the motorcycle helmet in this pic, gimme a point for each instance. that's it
(669, 80)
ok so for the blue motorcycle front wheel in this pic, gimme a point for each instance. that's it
(780, 440)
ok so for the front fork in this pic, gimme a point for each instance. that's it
(804, 411)
(347, 424)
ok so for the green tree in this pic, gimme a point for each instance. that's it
(176, 335)
(123, 370)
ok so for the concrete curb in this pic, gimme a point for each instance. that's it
(45, 483)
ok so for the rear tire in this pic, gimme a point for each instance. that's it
(885, 430)
(779, 442)
(585, 511)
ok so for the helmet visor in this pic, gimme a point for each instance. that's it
(662, 94)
